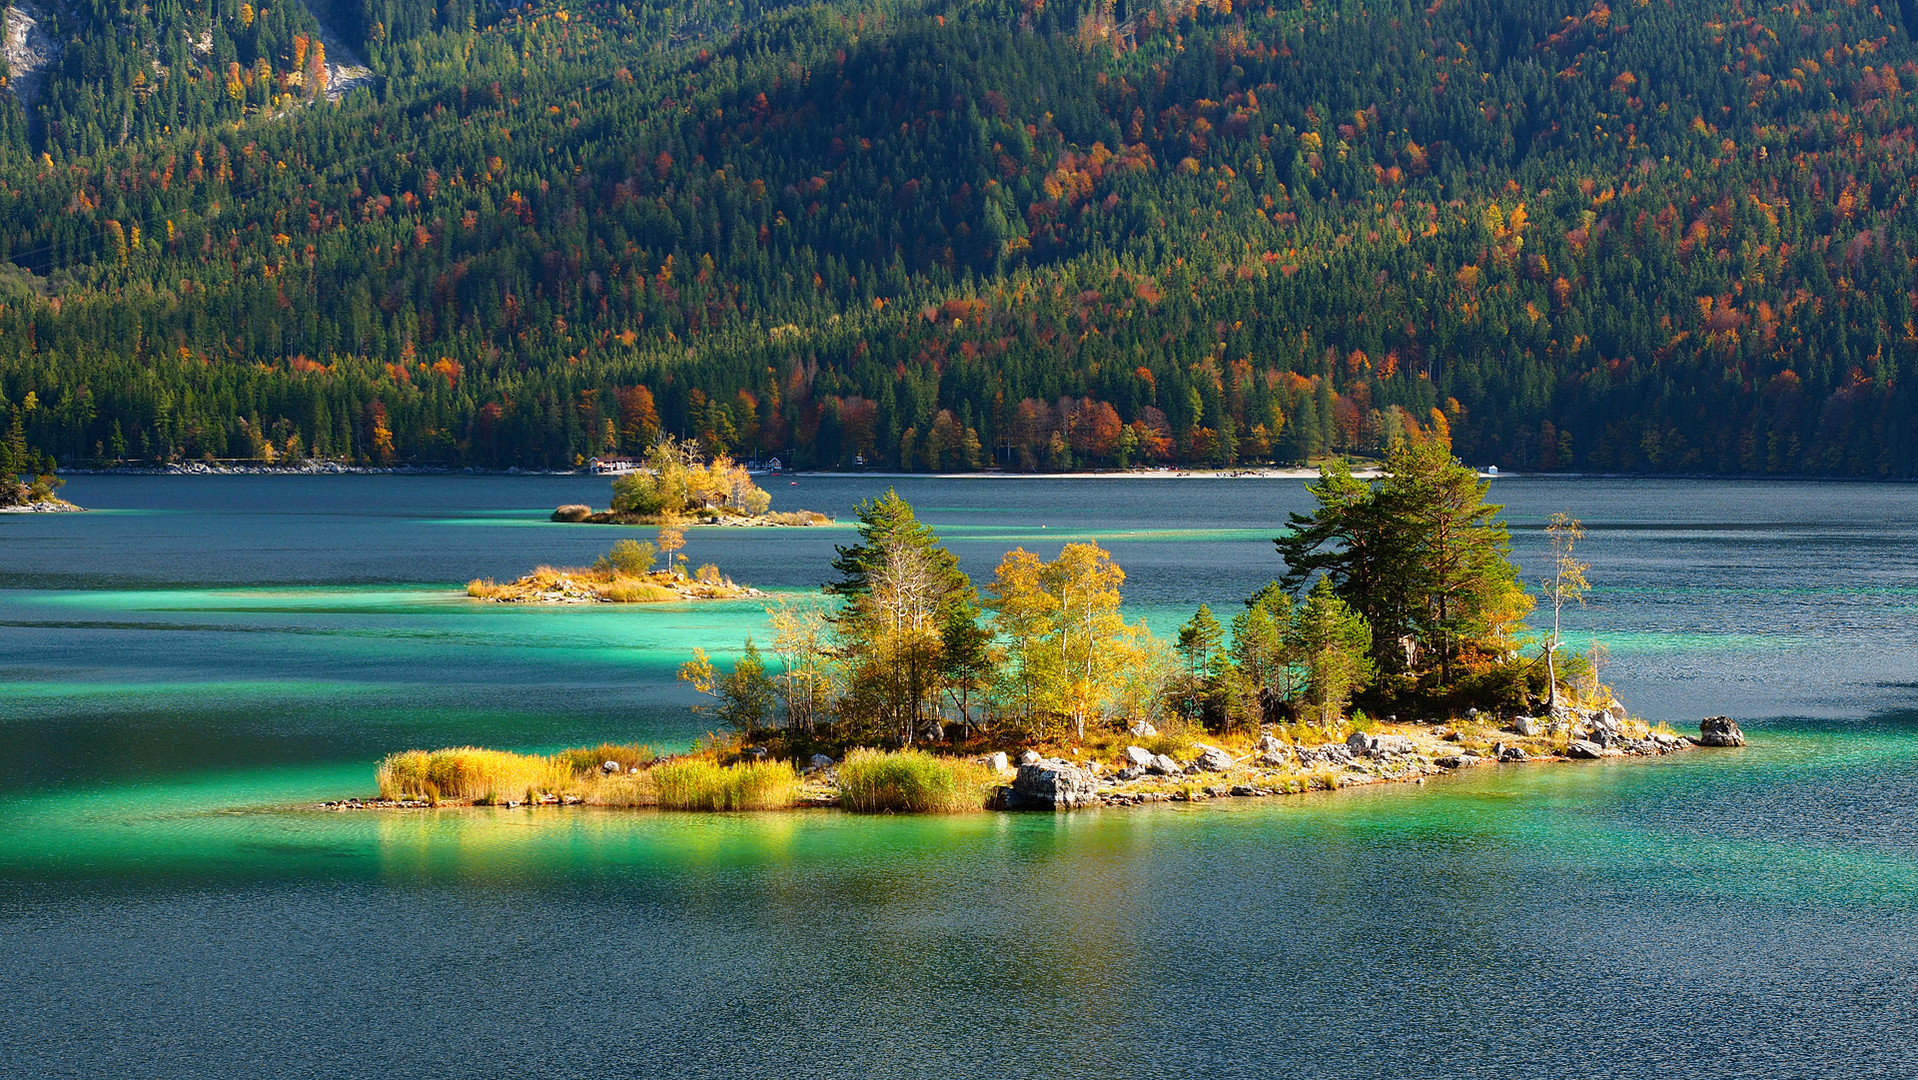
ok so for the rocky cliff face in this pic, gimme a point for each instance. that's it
(29, 51)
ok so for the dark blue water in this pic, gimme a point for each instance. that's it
(187, 667)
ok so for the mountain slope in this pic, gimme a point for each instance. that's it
(1673, 237)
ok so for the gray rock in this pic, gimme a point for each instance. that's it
(1138, 756)
(1131, 772)
(1590, 751)
(1617, 710)
(1165, 766)
(997, 762)
(1213, 759)
(1143, 729)
(1388, 745)
(1359, 742)
(1528, 725)
(1513, 753)
(1267, 743)
(1051, 785)
(821, 761)
(1719, 731)
(1275, 756)
(1030, 757)
(609, 767)
(1329, 754)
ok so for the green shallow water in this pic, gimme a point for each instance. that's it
(186, 676)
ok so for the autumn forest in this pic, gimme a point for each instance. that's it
(1675, 236)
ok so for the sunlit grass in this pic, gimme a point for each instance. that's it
(911, 782)
(702, 784)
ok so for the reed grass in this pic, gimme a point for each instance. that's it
(911, 782)
(625, 590)
(471, 773)
(699, 784)
(593, 759)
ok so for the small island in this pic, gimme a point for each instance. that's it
(624, 575)
(1394, 646)
(675, 486)
(27, 482)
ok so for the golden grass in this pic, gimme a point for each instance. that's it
(471, 773)
(484, 777)
(701, 784)
(625, 590)
(798, 517)
(911, 782)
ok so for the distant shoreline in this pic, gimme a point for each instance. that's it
(1262, 473)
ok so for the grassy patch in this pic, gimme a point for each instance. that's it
(698, 784)
(911, 782)
(471, 773)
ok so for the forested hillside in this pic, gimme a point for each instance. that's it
(1675, 236)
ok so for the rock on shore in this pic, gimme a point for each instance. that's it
(1050, 784)
(1719, 731)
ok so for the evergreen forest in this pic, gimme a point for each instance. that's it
(1675, 236)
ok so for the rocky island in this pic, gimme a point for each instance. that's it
(627, 574)
(675, 485)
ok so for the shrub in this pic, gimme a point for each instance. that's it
(697, 784)
(709, 574)
(572, 512)
(911, 782)
(627, 557)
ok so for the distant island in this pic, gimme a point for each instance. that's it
(674, 485)
(1392, 647)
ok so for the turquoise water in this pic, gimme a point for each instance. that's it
(185, 674)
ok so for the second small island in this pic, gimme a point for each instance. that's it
(675, 485)
(628, 574)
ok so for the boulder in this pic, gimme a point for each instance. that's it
(1165, 766)
(1131, 772)
(1528, 725)
(1143, 729)
(821, 761)
(1359, 742)
(1138, 756)
(1616, 709)
(1589, 751)
(1267, 744)
(1274, 756)
(1029, 757)
(997, 762)
(1719, 731)
(1051, 785)
(1513, 753)
(1213, 759)
(609, 767)
(1458, 761)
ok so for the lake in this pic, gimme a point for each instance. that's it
(192, 665)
